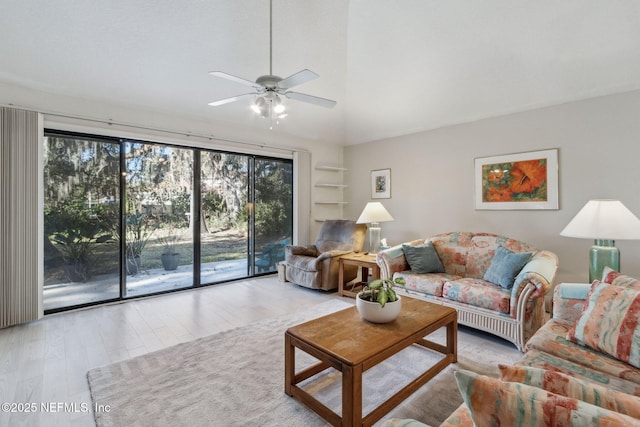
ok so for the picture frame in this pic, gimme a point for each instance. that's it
(526, 181)
(381, 184)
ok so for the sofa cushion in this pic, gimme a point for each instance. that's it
(493, 402)
(332, 245)
(588, 363)
(430, 283)
(423, 258)
(483, 249)
(452, 250)
(505, 266)
(614, 277)
(479, 293)
(575, 388)
(609, 322)
(544, 360)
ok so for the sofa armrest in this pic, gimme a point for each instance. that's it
(332, 254)
(301, 250)
(540, 271)
(391, 261)
(568, 300)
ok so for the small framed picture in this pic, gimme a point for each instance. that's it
(381, 184)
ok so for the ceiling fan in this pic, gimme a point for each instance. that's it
(270, 88)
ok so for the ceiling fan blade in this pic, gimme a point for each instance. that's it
(232, 99)
(234, 78)
(315, 100)
(297, 79)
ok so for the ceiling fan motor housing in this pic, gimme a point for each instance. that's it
(269, 82)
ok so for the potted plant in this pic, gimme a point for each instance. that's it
(170, 256)
(378, 301)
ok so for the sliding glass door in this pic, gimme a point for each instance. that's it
(224, 187)
(273, 213)
(188, 217)
(81, 220)
(158, 218)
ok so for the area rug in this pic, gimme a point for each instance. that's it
(236, 378)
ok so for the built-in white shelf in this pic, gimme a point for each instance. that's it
(331, 206)
(330, 168)
(330, 184)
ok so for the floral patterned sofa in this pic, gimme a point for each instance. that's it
(581, 368)
(513, 313)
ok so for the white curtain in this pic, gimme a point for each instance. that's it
(21, 224)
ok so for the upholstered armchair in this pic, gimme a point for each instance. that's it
(316, 266)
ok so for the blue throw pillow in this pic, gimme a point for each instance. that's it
(505, 266)
(423, 258)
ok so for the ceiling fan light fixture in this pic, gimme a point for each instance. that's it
(278, 106)
(260, 107)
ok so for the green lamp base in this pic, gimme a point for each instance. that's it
(603, 254)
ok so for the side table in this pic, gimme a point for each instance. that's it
(365, 262)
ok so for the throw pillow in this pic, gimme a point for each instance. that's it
(423, 258)
(609, 322)
(575, 388)
(505, 266)
(496, 403)
(609, 275)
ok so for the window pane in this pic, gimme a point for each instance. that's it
(224, 186)
(158, 212)
(273, 212)
(81, 221)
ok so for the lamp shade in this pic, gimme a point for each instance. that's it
(604, 219)
(374, 212)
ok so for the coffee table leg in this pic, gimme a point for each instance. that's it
(351, 395)
(452, 339)
(289, 364)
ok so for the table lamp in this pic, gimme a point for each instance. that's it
(374, 213)
(605, 221)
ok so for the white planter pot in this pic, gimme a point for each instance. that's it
(373, 312)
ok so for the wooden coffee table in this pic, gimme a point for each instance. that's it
(345, 342)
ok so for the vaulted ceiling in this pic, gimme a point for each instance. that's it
(394, 67)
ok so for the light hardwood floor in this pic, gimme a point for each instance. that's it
(47, 361)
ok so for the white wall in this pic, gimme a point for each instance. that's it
(432, 176)
(225, 135)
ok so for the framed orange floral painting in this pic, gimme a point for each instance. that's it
(517, 181)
